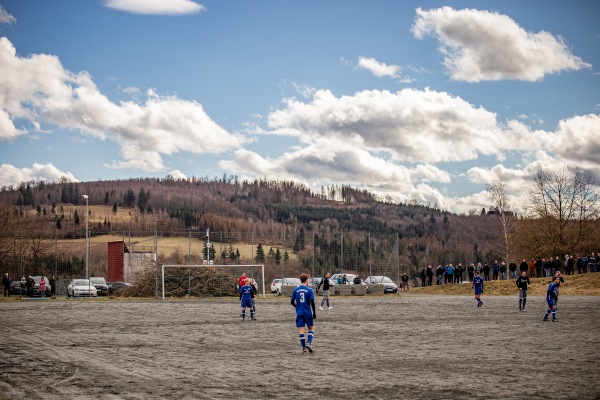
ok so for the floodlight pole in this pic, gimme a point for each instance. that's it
(87, 246)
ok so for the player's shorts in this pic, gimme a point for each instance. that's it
(325, 296)
(522, 294)
(247, 303)
(478, 290)
(304, 320)
(551, 303)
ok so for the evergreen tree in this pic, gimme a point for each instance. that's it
(260, 254)
(114, 210)
(129, 198)
(106, 198)
(76, 218)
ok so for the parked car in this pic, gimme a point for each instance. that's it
(15, 289)
(116, 286)
(388, 285)
(275, 285)
(35, 290)
(314, 282)
(288, 282)
(81, 287)
(100, 285)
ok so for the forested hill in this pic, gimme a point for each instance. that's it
(426, 233)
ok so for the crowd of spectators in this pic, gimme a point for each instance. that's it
(498, 270)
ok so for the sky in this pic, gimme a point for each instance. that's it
(415, 101)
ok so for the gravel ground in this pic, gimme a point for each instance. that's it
(381, 347)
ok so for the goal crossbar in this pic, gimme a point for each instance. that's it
(248, 266)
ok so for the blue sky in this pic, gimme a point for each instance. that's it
(422, 101)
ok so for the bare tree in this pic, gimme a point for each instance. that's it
(499, 197)
(565, 201)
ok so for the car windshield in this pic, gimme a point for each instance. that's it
(101, 281)
(81, 282)
(387, 280)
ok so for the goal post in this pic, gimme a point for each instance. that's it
(174, 276)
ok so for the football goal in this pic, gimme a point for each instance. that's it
(208, 280)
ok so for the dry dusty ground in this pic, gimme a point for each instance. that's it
(409, 347)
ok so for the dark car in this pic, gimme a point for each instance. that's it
(35, 290)
(15, 289)
(100, 285)
(116, 286)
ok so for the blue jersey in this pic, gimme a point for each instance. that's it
(478, 284)
(552, 294)
(302, 296)
(246, 292)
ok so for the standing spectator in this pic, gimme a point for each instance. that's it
(446, 273)
(429, 274)
(325, 282)
(532, 268)
(486, 272)
(579, 265)
(23, 286)
(42, 286)
(552, 298)
(423, 277)
(478, 286)
(404, 279)
(570, 265)
(593, 262)
(512, 267)
(439, 273)
(29, 285)
(495, 269)
(451, 271)
(557, 265)
(523, 283)
(548, 267)
(538, 267)
(356, 280)
(471, 271)
(53, 286)
(584, 263)
(502, 270)
(6, 282)
(458, 272)
(523, 266)
(303, 299)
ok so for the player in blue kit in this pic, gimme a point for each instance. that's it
(247, 293)
(552, 298)
(303, 298)
(478, 286)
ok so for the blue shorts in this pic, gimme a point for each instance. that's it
(551, 303)
(478, 291)
(247, 303)
(304, 320)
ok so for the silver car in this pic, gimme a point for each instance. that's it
(388, 285)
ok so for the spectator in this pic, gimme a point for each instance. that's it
(23, 286)
(471, 271)
(502, 270)
(29, 285)
(523, 266)
(593, 262)
(532, 268)
(584, 263)
(42, 287)
(538, 267)
(486, 272)
(495, 270)
(570, 265)
(6, 282)
(512, 267)
(429, 274)
(458, 272)
(579, 265)
(356, 280)
(404, 279)
(548, 264)
(53, 286)
(345, 280)
(439, 273)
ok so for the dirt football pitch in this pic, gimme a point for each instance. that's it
(381, 347)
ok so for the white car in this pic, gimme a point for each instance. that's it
(276, 286)
(287, 282)
(336, 279)
(81, 287)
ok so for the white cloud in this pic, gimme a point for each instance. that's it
(378, 68)
(411, 125)
(482, 45)
(39, 88)
(577, 139)
(156, 7)
(6, 18)
(10, 175)
(177, 175)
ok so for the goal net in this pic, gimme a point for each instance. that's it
(208, 280)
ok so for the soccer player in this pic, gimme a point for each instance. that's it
(523, 283)
(247, 294)
(326, 284)
(303, 298)
(478, 286)
(551, 298)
